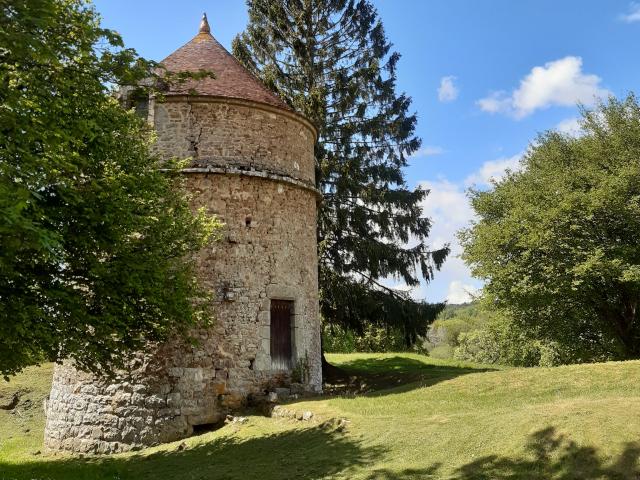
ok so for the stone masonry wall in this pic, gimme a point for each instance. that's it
(235, 135)
(268, 251)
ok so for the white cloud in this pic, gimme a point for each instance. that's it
(570, 126)
(448, 207)
(493, 170)
(447, 92)
(495, 102)
(558, 83)
(459, 292)
(427, 151)
(633, 15)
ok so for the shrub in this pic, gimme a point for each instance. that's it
(373, 339)
(443, 352)
(502, 341)
(443, 336)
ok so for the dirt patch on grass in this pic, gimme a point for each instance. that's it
(9, 401)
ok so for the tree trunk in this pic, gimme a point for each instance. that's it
(330, 373)
(623, 322)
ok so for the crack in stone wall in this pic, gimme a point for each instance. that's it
(194, 138)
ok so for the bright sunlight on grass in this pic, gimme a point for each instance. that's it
(422, 418)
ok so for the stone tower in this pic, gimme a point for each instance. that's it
(253, 166)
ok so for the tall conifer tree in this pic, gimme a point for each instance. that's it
(331, 61)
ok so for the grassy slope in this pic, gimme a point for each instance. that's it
(21, 428)
(579, 422)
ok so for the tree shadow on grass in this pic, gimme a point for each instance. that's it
(376, 375)
(312, 453)
(317, 453)
(407, 474)
(548, 456)
(555, 456)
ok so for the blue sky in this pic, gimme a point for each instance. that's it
(486, 76)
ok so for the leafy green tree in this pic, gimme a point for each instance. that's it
(331, 61)
(557, 242)
(95, 241)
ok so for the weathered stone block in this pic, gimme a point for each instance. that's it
(174, 400)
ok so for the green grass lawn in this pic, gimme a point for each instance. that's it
(422, 418)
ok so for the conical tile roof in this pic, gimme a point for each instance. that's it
(231, 80)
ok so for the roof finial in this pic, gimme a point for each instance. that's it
(204, 25)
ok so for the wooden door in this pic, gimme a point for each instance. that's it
(281, 319)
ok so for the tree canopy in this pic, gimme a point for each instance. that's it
(95, 241)
(557, 241)
(331, 61)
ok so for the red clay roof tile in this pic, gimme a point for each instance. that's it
(232, 80)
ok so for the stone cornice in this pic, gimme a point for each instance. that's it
(252, 172)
